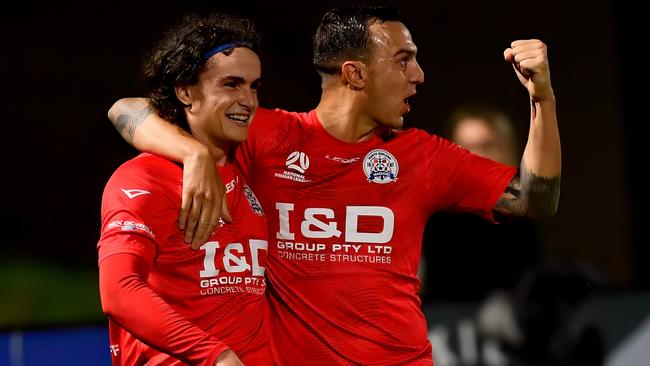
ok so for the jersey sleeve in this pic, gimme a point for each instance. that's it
(465, 182)
(130, 302)
(137, 212)
(138, 215)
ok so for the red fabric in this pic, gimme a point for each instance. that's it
(167, 304)
(130, 302)
(346, 221)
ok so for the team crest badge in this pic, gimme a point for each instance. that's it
(252, 200)
(380, 167)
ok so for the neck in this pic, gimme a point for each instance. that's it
(342, 112)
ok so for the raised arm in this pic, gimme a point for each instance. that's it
(203, 200)
(536, 189)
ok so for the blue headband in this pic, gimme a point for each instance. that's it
(224, 47)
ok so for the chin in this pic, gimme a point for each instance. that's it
(237, 138)
(397, 123)
(390, 122)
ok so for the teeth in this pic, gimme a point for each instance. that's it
(238, 117)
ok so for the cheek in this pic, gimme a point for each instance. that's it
(222, 99)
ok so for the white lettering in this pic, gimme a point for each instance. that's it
(234, 258)
(283, 211)
(352, 218)
(233, 263)
(210, 270)
(257, 245)
(313, 227)
(327, 230)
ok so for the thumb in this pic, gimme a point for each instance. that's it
(507, 54)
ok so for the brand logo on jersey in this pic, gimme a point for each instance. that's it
(230, 186)
(115, 349)
(130, 226)
(297, 164)
(132, 193)
(380, 166)
(298, 161)
(252, 200)
(342, 160)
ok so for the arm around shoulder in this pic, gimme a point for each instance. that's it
(203, 191)
(139, 124)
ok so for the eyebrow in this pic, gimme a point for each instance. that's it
(239, 80)
(407, 51)
(236, 79)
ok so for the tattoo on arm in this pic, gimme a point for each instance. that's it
(530, 195)
(128, 121)
(510, 201)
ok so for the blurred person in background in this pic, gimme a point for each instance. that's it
(466, 256)
(532, 311)
(548, 318)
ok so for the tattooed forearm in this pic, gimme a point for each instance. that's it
(510, 201)
(128, 120)
(530, 195)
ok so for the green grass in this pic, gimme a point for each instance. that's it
(44, 294)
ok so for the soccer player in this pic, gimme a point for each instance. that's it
(348, 193)
(167, 304)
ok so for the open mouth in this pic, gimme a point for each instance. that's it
(407, 101)
(408, 105)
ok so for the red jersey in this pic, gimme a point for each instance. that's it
(182, 306)
(345, 227)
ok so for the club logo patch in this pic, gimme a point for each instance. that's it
(380, 166)
(252, 200)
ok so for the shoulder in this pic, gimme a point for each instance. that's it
(150, 177)
(273, 119)
(416, 137)
(273, 113)
(146, 166)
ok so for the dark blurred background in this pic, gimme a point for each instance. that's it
(65, 65)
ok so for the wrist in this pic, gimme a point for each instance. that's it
(548, 97)
(197, 152)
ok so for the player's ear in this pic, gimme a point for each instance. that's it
(355, 74)
(184, 94)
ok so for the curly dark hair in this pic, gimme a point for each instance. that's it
(343, 35)
(180, 55)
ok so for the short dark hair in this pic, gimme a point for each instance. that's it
(180, 55)
(343, 35)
